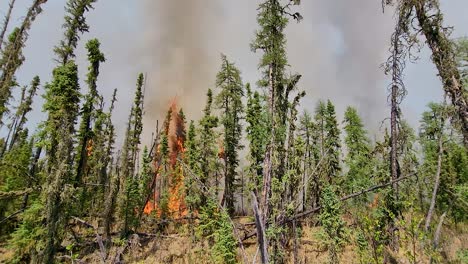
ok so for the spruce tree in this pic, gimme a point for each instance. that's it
(23, 109)
(270, 39)
(62, 99)
(257, 129)
(208, 150)
(358, 151)
(332, 144)
(309, 183)
(229, 101)
(75, 22)
(130, 187)
(88, 115)
(12, 56)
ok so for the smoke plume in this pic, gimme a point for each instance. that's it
(338, 49)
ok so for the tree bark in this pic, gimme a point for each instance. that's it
(436, 185)
(435, 243)
(260, 230)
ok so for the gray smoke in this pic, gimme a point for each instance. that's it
(338, 49)
(182, 59)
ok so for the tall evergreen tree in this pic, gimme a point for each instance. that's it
(229, 100)
(85, 135)
(358, 151)
(62, 99)
(332, 144)
(12, 56)
(270, 38)
(75, 22)
(257, 129)
(19, 119)
(130, 186)
(208, 151)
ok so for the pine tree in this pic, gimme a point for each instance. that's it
(256, 118)
(85, 134)
(273, 19)
(208, 152)
(75, 22)
(358, 151)
(229, 100)
(130, 188)
(12, 56)
(332, 223)
(332, 144)
(62, 99)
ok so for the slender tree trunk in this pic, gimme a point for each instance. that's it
(262, 243)
(32, 174)
(444, 59)
(436, 185)
(109, 206)
(435, 243)
(6, 22)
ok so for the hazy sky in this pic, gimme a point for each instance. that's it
(338, 49)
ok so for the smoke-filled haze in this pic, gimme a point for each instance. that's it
(338, 49)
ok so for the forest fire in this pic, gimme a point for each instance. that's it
(168, 199)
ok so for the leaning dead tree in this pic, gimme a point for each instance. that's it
(400, 49)
(430, 25)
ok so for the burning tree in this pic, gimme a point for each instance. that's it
(169, 174)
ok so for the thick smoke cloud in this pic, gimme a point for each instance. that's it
(177, 39)
(338, 48)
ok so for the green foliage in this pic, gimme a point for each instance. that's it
(13, 178)
(208, 148)
(26, 241)
(75, 23)
(358, 158)
(332, 223)
(332, 144)
(257, 134)
(192, 159)
(215, 225)
(229, 101)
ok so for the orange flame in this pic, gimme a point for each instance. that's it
(176, 136)
(89, 148)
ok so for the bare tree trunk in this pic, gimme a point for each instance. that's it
(260, 231)
(6, 22)
(435, 243)
(436, 185)
(444, 59)
(394, 130)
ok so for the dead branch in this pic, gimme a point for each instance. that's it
(345, 198)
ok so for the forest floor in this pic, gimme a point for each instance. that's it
(175, 245)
